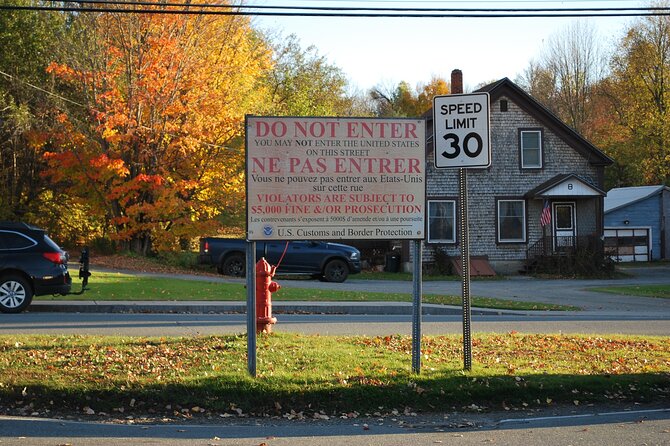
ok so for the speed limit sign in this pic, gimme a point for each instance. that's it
(461, 130)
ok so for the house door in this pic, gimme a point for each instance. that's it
(565, 227)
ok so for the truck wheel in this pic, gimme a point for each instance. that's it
(336, 271)
(234, 265)
(15, 294)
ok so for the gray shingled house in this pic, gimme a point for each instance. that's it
(536, 161)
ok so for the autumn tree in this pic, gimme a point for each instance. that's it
(157, 100)
(425, 93)
(403, 101)
(638, 92)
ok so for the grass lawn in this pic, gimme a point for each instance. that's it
(324, 376)
(120, 287)
(662, 291)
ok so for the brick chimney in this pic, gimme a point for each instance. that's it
(456, 81)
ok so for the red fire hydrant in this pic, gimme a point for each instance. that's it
(264, 289)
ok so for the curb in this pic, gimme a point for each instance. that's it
(352, 308)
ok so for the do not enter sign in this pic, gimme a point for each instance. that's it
(461, 130)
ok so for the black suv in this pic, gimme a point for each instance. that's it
(31, 264)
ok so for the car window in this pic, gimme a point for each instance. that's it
(11, 241)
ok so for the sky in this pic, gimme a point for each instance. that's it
(384, 51)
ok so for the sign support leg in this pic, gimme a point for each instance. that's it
(251, 308)
(465, 267)
(416, 309)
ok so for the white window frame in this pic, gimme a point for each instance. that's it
(522, 149)
(523, 221)
(430, 221)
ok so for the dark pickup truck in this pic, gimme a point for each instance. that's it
(331, 262)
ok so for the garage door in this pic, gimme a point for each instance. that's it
(628, 245)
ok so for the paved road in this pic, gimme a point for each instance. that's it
(188, 324)
(584, 428)
(602, 313)
(566, 292)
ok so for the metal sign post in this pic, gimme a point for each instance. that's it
(465, 268)
(416, 312)
(462, 140)
(251, 308)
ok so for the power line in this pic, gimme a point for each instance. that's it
(285, 11)
(465, 1)
(359, 8)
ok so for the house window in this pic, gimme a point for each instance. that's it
(511, 221)
(442, 221)
(531, 149)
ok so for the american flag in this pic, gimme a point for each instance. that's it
(545, 218)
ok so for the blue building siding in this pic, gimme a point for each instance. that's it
(645, 213)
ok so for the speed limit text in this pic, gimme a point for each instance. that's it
(465, 108)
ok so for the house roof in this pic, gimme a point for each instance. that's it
(624, 196)
(507, 88)
(565, 185)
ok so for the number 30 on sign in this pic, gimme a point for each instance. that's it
(461, 130)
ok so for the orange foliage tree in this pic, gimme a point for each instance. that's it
(402, 101)
(152, 149)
